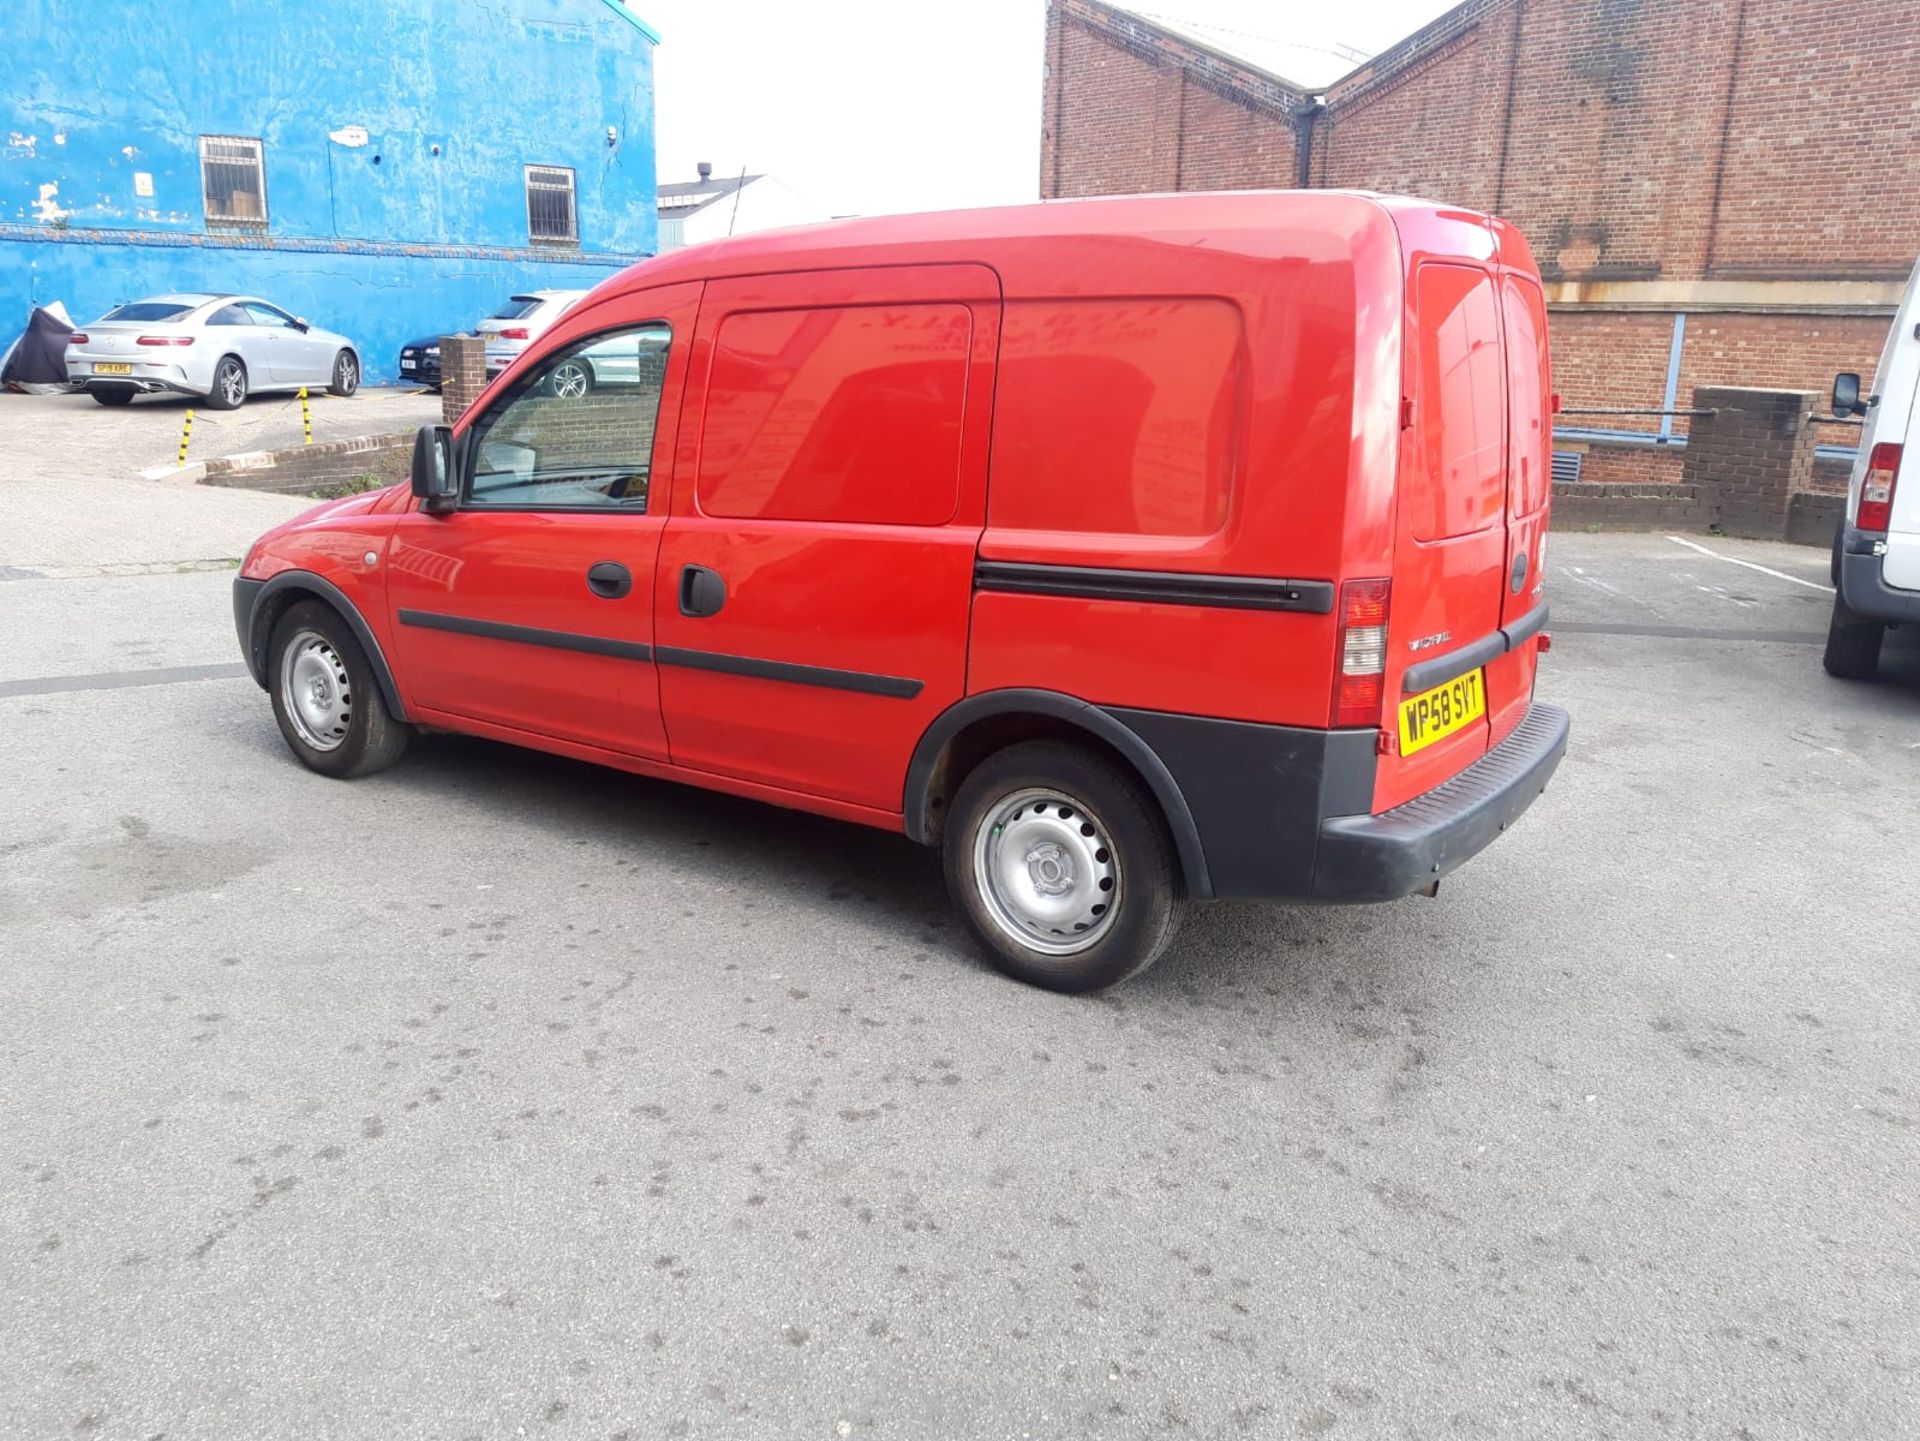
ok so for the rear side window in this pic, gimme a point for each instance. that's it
(1458, 486)
(1529, 439)
(845, 413)
(1117, 416)
(150, 311)
(518, 308)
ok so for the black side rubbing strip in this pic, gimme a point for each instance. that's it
(527, 635)
(898, 687)
(1491, 646)
(1231, 592)
(861, 682)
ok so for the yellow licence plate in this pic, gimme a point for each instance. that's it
(109, 368)
(1438, 713)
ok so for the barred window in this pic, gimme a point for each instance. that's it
(550, 214)
(233, 180)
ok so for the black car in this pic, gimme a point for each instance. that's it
(420, 361)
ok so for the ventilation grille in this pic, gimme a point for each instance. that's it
(1566, 465)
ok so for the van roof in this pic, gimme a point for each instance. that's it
(1248, 223)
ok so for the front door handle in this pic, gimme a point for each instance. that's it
(702, 591)
(609, 579)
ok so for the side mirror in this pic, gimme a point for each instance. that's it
(1846, 394)
(435, 480)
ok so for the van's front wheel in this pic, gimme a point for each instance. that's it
(1062, 865)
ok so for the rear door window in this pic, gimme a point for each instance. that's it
(839, 413)
(1529, 464)
(1458, 485)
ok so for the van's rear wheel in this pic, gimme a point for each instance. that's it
(1062, 865)
(1853, 644)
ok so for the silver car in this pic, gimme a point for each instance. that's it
(520, 322)
(223, 347)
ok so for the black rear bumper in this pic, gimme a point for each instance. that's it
(1397, 852)
(1862, 583)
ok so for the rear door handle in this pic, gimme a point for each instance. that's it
(609, 579)
(702, 591)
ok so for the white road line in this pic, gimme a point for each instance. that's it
(1764, 570)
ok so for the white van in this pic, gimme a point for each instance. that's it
(1876, 555)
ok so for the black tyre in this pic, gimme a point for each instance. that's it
(346, 374)
(118, 395)
(1062, 865)
(229, 384)
(1853, 644)
(570, 380)
(325, 697)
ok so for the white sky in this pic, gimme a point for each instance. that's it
(871, 106)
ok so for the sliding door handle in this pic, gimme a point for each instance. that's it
(702, 591)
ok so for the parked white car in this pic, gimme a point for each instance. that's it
(520, 322)
(223, 347)
(1876, 555)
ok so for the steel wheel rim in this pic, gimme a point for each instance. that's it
(570, 382)
(315, 691)
(349, 373)
(1046, 867)
(233, 385)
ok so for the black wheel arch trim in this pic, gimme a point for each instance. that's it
(258, 634)
(1097, 723)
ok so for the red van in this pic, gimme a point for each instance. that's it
(1129, 550)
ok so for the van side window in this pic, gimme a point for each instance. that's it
(576, 432)
(1116, 416)
(1458, 485)
(843, 413)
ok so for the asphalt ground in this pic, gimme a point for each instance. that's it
(499, 1095)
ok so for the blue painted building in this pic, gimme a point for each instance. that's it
(387, 168)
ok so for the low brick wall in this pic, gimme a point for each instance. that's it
(1813, 519)
(1579, 505)
(304, 469)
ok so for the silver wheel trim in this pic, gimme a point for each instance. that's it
(232, 381)
(1038, 864)
(346, 374)
(570, 381)
(315, 691)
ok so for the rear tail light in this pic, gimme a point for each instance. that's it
(164, 340)
(1876, 491)
(519, 332)
(79, 337)
(1359, 687)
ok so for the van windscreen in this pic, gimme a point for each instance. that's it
(1457, 484)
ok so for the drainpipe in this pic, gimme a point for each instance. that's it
(1303, 141)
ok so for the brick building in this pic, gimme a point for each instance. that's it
(1718, 192)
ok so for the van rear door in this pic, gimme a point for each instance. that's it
(1523, 313)
(1451, 544)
